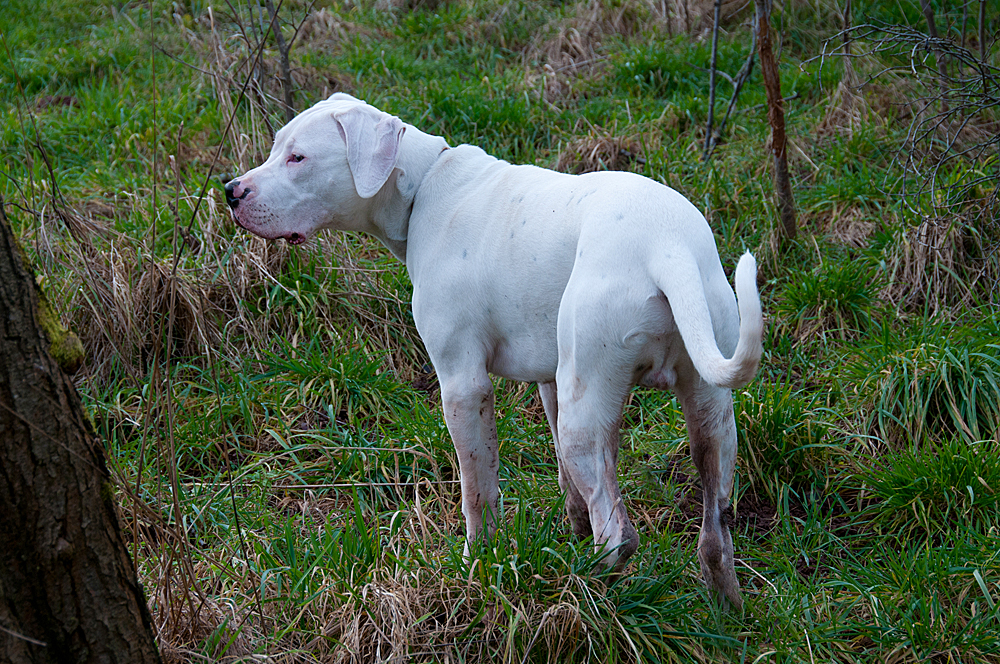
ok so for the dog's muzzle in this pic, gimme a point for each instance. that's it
(235, 193)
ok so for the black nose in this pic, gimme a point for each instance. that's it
(231, 200)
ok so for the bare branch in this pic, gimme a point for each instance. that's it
(951, 147)
(711, 83)
(741, 78)
(286, 71)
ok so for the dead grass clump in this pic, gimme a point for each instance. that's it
(324, 29)
(551, 84)
(850, 226)
(886, 99)
(699, 15)
(600, 150)
(126, 301)
(407, 5)
(570, 47)
(936, 264)
(56, 221)
(562, 628)
(198, 626)
(847, 109)
(130, 306)
(316, 509)
(378, 623)
(163, 293)
(575, 40)
(429, 619)
(226, 295)
(49, 101)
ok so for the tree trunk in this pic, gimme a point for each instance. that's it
(847, 30)
(68, 590)
(776, 117)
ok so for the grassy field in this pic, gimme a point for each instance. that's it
(286, 480)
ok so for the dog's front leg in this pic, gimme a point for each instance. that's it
(468, 411)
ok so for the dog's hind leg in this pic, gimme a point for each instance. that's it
(576, 506)
(594, 378)
(468, 399)
(708, 411)
(589, 425)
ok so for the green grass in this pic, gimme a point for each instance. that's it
(287, 483)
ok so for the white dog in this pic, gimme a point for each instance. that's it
(584, 284)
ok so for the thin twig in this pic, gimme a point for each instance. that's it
(741, 79)
(982, 30)
(970, 88)
(711, 83)
(218, 152)
(286, 72)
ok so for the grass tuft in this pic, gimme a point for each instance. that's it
(938, 383)
(834, 301)
(932, 491)
(783, 441)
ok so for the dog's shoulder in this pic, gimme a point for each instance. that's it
(462, 165)
(467, 155)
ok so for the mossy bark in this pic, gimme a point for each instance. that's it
(68, 589)
(64, 346)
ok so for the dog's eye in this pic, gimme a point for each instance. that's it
(296, 158)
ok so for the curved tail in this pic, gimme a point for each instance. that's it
(694, 320)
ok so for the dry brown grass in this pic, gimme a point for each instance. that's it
(850, 225)
(406, 619)
(124, 292)
(577, 38)
(122, 297)
(569, 50)
(936, 265)
(847, 109)
(694, 16)
(326, 29)
(601, 150)
(187, 625)
(392, 613)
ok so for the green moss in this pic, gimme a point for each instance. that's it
(65, 347)
(108, 495)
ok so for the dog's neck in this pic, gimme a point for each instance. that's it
(390, 211)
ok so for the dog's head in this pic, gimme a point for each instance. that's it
(324, 168)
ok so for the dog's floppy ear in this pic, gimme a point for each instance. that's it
(372, 139)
